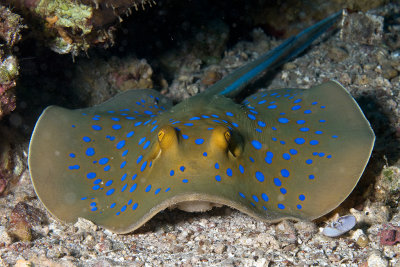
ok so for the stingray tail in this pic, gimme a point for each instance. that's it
(232, 85)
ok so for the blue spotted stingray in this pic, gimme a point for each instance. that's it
(286, 153)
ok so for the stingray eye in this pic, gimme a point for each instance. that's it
(167, 137)
(228, 136)
(161, 135)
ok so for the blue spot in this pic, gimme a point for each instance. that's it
(282, 142)
(109, 183)
(110, 192)
(299, 141)
(251, 159)
(268, 158)
(169, 188)
(97, 181)
(205, 154)
(229, 114)
(323, 107)
(96, 118)
(171, 173)
(124, 177)
(124, 187)
(115, 119)
(210, 128)
(124, 153)
(309, 161)
(241, 169)
(261, 123)
(286, 156)
(148, 188)
(314, 142)
(188, 124)
(283, 190)
(285, 173)
(300, 121)
(157, 191)
(256, 144)
(194, 118)
(142, 140)
(334, 136)
(277, 182)
(130, 201)
(272, 106)
(293, 151)
(229, 172)
(216, 165)
(96, 187)
(112, 205)
(116, 127)
(242, 195)
(182, 168)
(72, 155)
(299, 206)
(94, 209)
(134, 176)
(283, 120)
(148, 112)
(91, 175)
(314, 103)
(281, 206)
(321, 154)
(84, 198)
(123, 208)
(218, 178)
(302, 197)
(185, 181)
(120, 144)
(307, 111)
(329, 156)
(255, 198)
(73, 126)
(135, 206)
(262, 102)
(205, 116)
(138, 123)
(122, 164)
(251, 116)
(311, 177)
(146, 145)
(260, 176)
(322, 120)
(133, 188)
(130, 118)
(235, 124)
(155, 127)
(264, 197)
(296, 107)
(107, 168)
(274, 128)
(304, 129)
(86, 139)
(297, 101)
(96, 127)
(184, 136)
(199, 141)
(74, 167)
(144, 164)
(139, 159)
(315, 153)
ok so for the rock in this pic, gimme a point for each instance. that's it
(362, 28)
(23, 217)
(360, 238)
(85, 225)
(376, 260)
(372, 213)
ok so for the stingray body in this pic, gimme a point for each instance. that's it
(286, 153)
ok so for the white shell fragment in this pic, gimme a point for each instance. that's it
(341, 226)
